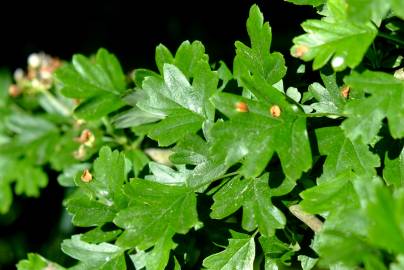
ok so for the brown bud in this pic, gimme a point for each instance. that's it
(14, 90)
(275, 111)
(241, 106)
(300, 51)
(345, 91)
(86, 176)
(80, 153)
(86, 137)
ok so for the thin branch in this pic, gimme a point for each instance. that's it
(310, 220)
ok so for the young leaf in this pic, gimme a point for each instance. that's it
(330, 100)
(365, 115)
(239, 254)
(102, 195)
(256, 62)
(153, 208)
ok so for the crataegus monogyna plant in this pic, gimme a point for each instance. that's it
(248, 175)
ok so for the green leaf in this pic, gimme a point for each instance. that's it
(330, 194)
(239, 254)
(152, 209)
(346, 43)
(157, 259)
(384, 212)
(100, 256)
(361, 11)
(109, 176)
(183, 106)
(307, 263)
(330, 99)
(102, 195)
(393, 171)
(398, 8)
(277, 253)
(344, 155)
(101, 234)
(87, 211)
(100, 83)
(255, 135)
(112, 67)
(254, 195)
(166, 175)
(257, 62)
(386, 101)
(98, 106)
(138, 158)
(193, 150)
(6, 196)
(37, 262)
(5, 82)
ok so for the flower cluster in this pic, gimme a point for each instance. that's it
(38, 76)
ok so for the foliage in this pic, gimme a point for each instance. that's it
(266, 177)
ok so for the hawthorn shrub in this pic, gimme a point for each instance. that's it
(194, 165)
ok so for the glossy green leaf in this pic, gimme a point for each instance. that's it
(100, 256)
(257, 62)
(254, 195)
(256, 135)
(154, 207)
(329, 97)
(99, 83)
(239, 254)
(330, 195)
(344, 42)
(344, 155)
(182, 106)
(386, 101)
(88, 212)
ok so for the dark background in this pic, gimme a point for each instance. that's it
(130, 29)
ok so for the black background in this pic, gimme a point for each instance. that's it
(131, 30)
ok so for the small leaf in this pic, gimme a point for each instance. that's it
(365, 115)
(154, 207)
(239, 254)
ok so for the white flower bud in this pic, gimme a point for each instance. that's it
(34, 61)
(18, 74)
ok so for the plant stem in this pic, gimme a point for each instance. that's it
(310, 220)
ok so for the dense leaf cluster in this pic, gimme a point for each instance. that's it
(248, 174)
